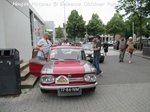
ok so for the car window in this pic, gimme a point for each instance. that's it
(64, 53)
(87, 46)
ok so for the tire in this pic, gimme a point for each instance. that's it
(44, 91)
(101, 61)
(93, 89)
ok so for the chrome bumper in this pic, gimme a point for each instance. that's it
(58, 87)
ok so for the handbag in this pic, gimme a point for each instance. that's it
(131, 50)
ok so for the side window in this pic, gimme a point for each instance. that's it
(83, 55)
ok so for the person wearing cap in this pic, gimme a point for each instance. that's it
(96, 49)
(130, 48)
(122, 49)
(44, 45)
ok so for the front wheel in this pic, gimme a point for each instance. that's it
(101, 61)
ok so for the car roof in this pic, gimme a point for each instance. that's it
(74, 47)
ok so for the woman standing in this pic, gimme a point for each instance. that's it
(130, 47)
(105, 47)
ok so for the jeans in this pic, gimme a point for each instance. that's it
(121, 55)
(96, 64)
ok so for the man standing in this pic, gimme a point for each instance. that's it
(44, 45)
(122, 49)
(96, 49)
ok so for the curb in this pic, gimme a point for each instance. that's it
(142, 56)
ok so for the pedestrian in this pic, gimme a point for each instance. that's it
(64, 42)
(44, 46)
(122, 49)
(96, 53)
(105, 47)
(130, 48)
(67, 42)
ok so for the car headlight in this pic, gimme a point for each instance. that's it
(92, 55)
(86, 55)
(90, 78)
(102, 54)
(47, 79)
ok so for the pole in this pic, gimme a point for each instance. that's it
(64, 21)
(132, 29)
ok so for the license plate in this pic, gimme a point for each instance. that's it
(74, 89)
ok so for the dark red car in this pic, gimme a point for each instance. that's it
(66, 71)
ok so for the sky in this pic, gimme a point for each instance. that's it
(53, 10)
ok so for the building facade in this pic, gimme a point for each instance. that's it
(21, 26)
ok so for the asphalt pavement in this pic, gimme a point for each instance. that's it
(123, 87)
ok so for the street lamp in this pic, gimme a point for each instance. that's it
(64, 21)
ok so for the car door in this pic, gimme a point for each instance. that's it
(36, 65)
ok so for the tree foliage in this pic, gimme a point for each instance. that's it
(116, 25)
(59, 32)
(75, 26)
(95, 26)
(136, 8)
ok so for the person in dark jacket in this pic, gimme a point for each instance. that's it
(105, 47)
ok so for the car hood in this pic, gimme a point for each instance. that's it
(88, 52)
(68, 67)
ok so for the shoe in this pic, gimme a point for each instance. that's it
(119, 61)
(122, 61)
(100, 73)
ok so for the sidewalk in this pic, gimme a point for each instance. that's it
(111, 52)
(139, 54)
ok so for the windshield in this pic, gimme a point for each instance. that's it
(65, 54)
(87, 46)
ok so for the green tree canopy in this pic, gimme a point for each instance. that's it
(59, 32)
(116, 25)
(95, 26)
(75, 26)
(138, 8)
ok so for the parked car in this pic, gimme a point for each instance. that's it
(66, 71)
(89, 54)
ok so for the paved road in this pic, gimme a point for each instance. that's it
(123, 87)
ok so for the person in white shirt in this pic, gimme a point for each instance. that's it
(67, 43)
(64, 42)
(44, 45)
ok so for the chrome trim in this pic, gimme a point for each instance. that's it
(76, 79)
(67, 86)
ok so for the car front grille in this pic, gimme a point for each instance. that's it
(76, 79)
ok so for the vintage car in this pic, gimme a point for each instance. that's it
(66, 71)
(89, 54)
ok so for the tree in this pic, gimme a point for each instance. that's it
(135, 7)
(147, 8)
(59, 32)
(95, 26)
(116, 25)
(75, 26)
